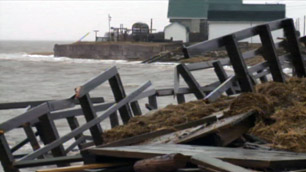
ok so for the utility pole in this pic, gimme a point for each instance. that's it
(109, 25)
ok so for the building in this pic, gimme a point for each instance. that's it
(176, 32)
(208, 19)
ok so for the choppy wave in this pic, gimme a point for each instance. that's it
(51, 58)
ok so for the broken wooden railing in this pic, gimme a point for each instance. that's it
(244, 78)
(42, 117)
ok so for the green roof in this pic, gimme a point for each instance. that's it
(188, 9)
(224, 10)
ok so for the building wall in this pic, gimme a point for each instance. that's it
(198, 29)
(176, 32)
(221, 28)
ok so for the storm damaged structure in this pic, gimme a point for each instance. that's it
(222, 122)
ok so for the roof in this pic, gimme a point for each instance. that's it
(188, 9)
(224, 10)
(246, 12)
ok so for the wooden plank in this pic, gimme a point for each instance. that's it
(6, 155)
(95, 82)
(294, 48)
(78, 142)
(217, 93)
(259, 159)
(180, 98)
(238, 63)
(88, 125)
(190, 80)
(82, 167)
(216, 164)
(119, 93)
(31, 136)
(269, 53)
(48, 161)
(136, 108)
(79, 111)
(90, 115)
(73, 124)
(16, 105)
(50, 134)
(26, 117)
(153, 102)
(221, 124)
(222, 76)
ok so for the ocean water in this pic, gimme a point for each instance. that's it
(26, 76)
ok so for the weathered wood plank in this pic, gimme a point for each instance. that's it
(294, 48)
(238, 63)
(217, 93)
(190, 80)
(90, 115)
(95, 82)
(222, 76)
(269, 53)
(81, 167)
(6, 155)
(216, 164)
(259, 159)
(119, 93)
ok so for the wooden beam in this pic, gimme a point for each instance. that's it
(240, 68)
(216, 164)
(294, 48)
(90, 115)
(190, 80)
(269, 53)
(222, 76)
(6, 156)
(81, 167)
(119, 93)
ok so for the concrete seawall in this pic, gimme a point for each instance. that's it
(113, 50)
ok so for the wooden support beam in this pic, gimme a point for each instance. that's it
(269, 53)
(90, 115)
(153, 102)
(31, 136)
(264, 78)
(180, 98)
(190, 80)
(51, 134)
(6, 156)
(119, 93)
(73, 124)
(136, 108)
(222, 76)
(217, 93)
(78, 143)
(240, 68)
(294, 48)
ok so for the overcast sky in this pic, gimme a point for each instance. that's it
(71, 19)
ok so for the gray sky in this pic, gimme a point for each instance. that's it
(71, 19)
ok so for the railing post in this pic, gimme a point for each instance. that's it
(31, 136)
(90, 114)
(222, 76)
(6, 155)
(73, 124)
(119, 94)
(153, 102)
(294, 48)
(190, 80)
(51, 134)
(238, 63)
(136, 108)
(180, 98)
(269, 53)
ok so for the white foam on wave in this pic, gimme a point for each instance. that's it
(51, 58)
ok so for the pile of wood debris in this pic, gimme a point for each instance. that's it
(250, 132)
